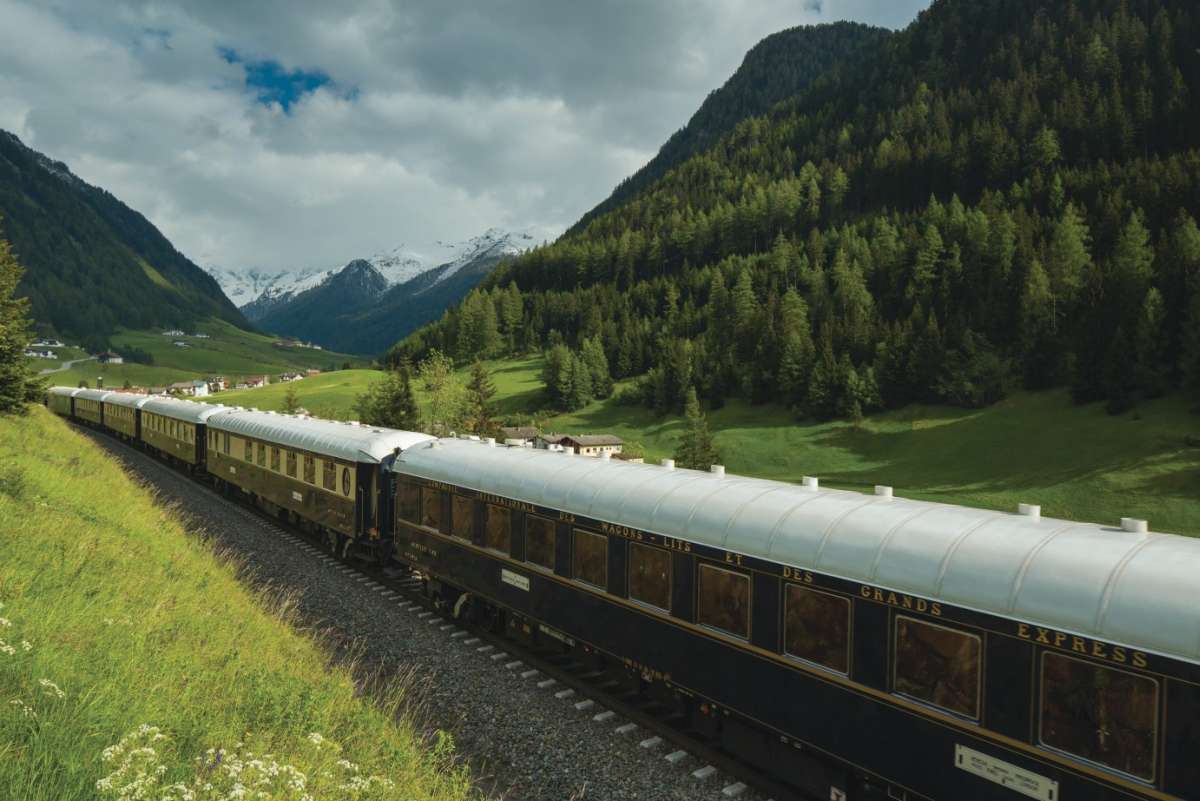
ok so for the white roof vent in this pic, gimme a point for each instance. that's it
(717, 469)
(883, 490)
(490, 442)
(811, 482)
(668, 463)
(1134, 525)
(1031, 510)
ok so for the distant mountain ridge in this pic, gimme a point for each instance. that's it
(93, 264)
(366, 305)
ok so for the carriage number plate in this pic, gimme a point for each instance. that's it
(1006, 774)
(515, 579)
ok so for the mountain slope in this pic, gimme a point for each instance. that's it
(780, 66)
(369, 304)
(1001, 194)
(94, 265)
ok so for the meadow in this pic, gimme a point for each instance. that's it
(1078, 462)
(134, 664)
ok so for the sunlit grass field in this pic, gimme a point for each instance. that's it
(1078, 462)
(114, 618)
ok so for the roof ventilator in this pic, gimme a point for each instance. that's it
(1134, 525)
(717, 469)
(811, 482)
(490, 442)
(883, 491)
(668, 463)
(1031, 510)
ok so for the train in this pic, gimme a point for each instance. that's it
(852, 646)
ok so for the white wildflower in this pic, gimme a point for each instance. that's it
(5, 622)
(108, 621)
(26, 645)
(51, 688)
(25, 709)
(5, 648)
(316, 738)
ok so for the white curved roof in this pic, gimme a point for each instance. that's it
(128, 399)
(1103, 582)
(188, 411)
(355, 443)
(69, 392)
(93, 394)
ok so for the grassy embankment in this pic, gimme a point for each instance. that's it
(1076, 461)
(229, 351)
(114, 617)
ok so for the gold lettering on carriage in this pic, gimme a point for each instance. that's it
(1082, 645)
(497, 500)
(899, 599)
(796, 574)
(622, 531)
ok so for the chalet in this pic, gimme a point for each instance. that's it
(108, 357)
(218, 384)
(519, 435)
(593, 444)
(290, 376)
(47, 343)
(200, 336)
(40, 354)
(174, 332)
(549, 442)
(191, 389)
(254, 382)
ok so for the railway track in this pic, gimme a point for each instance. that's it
(610, 697)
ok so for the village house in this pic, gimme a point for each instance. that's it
(179, 343)
(254, 382)
(549, 442)
(108, 357)
(200, 336)
(217, 384)
(174, 332)
(47, 343)
(191, 389)
(290, 376)
(521, 436)
(593, 444)
(40, 354)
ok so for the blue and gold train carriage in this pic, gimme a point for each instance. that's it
(176, 428)
(860, 646)
(89, 406)
(322, 473)
(121, 413)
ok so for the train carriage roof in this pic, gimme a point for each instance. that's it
(93, 394)
(1134, 588)
(348, 441)
(68, 392)
(129, 400)
(187, 411)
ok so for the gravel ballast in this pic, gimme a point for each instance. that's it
(522, 741)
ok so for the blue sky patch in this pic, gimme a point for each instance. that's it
(271, 83)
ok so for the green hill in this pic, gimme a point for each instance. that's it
(92, 264)
(1078, 462)
(1001, 196)
(116, 617)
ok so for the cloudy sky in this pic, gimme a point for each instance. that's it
(285, 134)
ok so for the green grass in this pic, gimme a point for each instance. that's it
(1078, 462)
(329, 395)
(136, 621)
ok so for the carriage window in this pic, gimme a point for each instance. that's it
(591, 558)
(291, 463)
(462, 517)
(227, 445)
(938, 665)
(431, 508)
(650, 575)
(262, 455)
(310, 469)
(497, 533)
(409, 501)
(724, 600)
(816, 627)
(328, 475)
(539, 541)
(275, 459)
(249, 454)
(1100, 714)
(346, 481)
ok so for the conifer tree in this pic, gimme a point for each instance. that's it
(389, 402)
(695, 449)
(291, 399)
(479, 406)
(18, 384)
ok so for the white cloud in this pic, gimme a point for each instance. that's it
(441, 119)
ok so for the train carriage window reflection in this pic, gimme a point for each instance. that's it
(275, 459)
(938, 665)
(310, 469)
(431, 508)
(409, 502)
(497, 532)
(816, 627)
(462, 517)
(539, 541)
(346, 481)
(591, 558)
(226, 444)
(724, 600)
(328, 475)
(249, 451)
(1100, 714)
(291, 463)
(650, 575)
(262, 455)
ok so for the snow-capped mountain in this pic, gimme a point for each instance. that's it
(387, 295)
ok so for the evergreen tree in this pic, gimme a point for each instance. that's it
(1067, 260)
(389, 402)
(695, 449)
(593, 356)
(578, 391)
(291, 400)
(479, 406)
(18, 384)
(1189, 358)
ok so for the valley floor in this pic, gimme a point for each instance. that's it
(130, 653)
(1078, 462)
